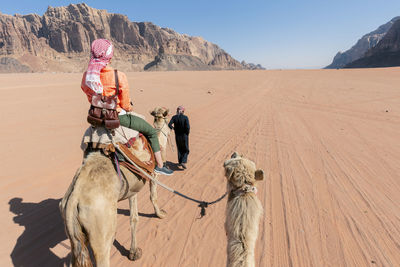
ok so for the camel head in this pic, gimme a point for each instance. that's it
(159, 113)
(241, 171)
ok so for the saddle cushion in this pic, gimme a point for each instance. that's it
(100, 135)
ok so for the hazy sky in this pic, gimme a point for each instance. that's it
(274, 33)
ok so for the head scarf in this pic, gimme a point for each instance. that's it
(101, 53)
(180, 109)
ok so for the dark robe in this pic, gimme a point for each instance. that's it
(181, 126)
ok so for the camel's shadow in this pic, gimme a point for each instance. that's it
(127, 213)
(44, 229)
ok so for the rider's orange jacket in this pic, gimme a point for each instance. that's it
(108, 80)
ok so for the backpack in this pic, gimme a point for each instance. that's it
(103, 109)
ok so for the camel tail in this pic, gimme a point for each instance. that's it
(77, 235)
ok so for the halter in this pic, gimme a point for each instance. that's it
(160, 128)
(166, 135)
(245, 189)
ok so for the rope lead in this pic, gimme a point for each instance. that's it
(203, 205)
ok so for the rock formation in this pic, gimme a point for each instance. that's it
(251, 66)
(368, 41)
(385, 54)
(60, 41)
(8, 64)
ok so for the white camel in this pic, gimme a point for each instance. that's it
(160, 123)
(243, 210)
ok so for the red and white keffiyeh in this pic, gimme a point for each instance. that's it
(180, 109)
(101, 53)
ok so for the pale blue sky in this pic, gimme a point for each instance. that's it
(274, 33)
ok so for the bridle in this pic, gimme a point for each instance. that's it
(159, 129)
(244, 189)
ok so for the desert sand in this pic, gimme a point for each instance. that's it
(328, 141)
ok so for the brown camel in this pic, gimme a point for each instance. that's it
(89, 207)
(161, 124)
(243, 210)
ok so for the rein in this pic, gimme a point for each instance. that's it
(118, 169)
(121, 175)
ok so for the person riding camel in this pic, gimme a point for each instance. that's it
(99, 79)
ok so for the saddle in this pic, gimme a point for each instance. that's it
(134, 145)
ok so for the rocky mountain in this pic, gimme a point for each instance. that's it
(60, 41)
(385, 54)
(252, 66)
(367, 42)
(9, 64)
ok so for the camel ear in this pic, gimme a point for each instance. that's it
(165, 114)
(235, 155)
(229, 167)
(228, 171)
(153, 113)
(259, 175)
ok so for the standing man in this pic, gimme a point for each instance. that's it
(181, 127)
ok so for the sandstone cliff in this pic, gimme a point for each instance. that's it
(60, 41)
(367, 42)
(385, 54)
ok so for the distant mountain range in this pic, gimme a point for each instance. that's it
(380, 48)
(60, 41)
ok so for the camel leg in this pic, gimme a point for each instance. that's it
(164, 154)
(160, 213)
(134, 253)
(102, 228)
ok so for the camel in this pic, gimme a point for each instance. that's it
(89, 207)
(243, 210)
(161, 124)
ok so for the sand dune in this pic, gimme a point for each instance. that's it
(328, 141)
